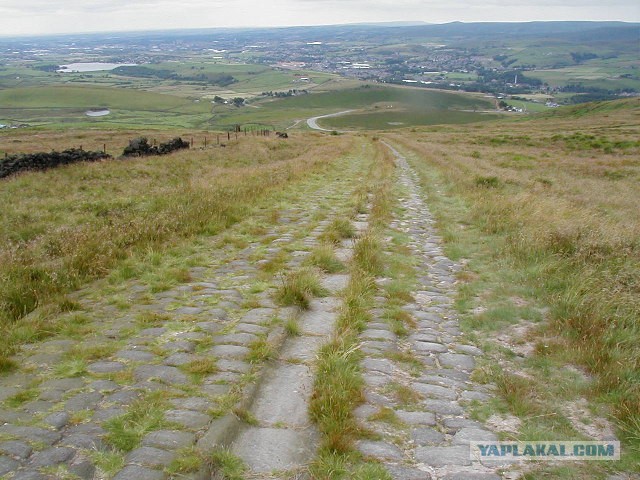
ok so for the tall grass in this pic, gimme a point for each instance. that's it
(565, 225)
(62, 228)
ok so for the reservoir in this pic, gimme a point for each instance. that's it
(91, 67)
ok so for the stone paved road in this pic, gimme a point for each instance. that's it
(421, 417)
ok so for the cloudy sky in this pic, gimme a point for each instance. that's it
(24, 17)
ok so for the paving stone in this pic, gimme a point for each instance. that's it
(375, 379)
(416, 418)
(442, 381)
(52, 395)
(178, 346)
(154, 332)
(251, 328)
(399, 472)
(457, 360)
(163, 373)
(188, 418)
(32, 434)
(364, 411)
(179, 358)
(57, 420)
(15, 449)
(216, 389)
(424, 338)
(379, 450)
(229, 351)
(426, 436)
(188, 311)
(443, 407)
(217, 313)
(86, 428)
(191, 403)
(471, 395)
(169, 439)
(104, 414)
(135, 355)
(456, 423)
(104, 386)
(8, 465)
(6, 392)
(210, 327)
(83, 469)
(468, 434)
(83, 401)
(258, 315)
(435, 391)
(123, 397)
(443, 456)
(28, 475)
(151, 457)
(224, 377)
(233, 365)
(379, 364)
(474, 476)
(64, 384)
(105, 367)
(468, 349)
(236, 338)
(51, 456)
(267, 449)
(136, 472)
(37, 406)
(335, 283)
(375, 334)
(429, 347)
(83, 440)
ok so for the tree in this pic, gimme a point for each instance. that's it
(238, 101)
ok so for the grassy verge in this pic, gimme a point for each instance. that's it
(547, 217)
(338, 381)
(65, 227)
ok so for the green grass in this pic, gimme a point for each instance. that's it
(324, 258)
(226, 465)
(299, 287)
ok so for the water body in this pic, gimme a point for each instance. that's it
(91, 67)
(98, 113)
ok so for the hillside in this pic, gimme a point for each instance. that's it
(361, 305)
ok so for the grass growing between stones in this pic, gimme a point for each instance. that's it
(339, 229)
(324, 258)
(338, 384)
(297, 288)
(554, 241)
(226, 466)
(145, 415)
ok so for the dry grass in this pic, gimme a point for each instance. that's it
(64, 227)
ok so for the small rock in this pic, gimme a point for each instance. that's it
(57, 420)
(15, 449)
(51, 457)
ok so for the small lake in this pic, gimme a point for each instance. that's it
(98, 113)
(91, 67)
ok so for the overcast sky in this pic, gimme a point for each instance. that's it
(25, 17)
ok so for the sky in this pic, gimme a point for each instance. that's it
(30, 17)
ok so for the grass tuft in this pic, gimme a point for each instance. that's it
(299, 287)
(226, 465)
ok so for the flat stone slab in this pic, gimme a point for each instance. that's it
(179, 358)
(426, 436)
(381, 365)
(151, 457)
(457, 360)
(229, 351)
(198, 404)
(136, 472)
(443, 407)
(8, 465)
(51, 457)
(435, 391)
(283, 395)
(258, 315)
(188, 418)
(188, 311)
(83, 401)
(468, 434)
(468, 350)
(251, 328)
(169, 439)
(416, 418)
(376, 334)
(15, 449)
(430, 347)
(335, 283)
(233, 365)
(57, 420)
(320, 319)
(302, 348)
(399, 472)
(443, 456)
(236, 338)
(476, 476)
(266, 449)
(162, 373)
(29, 475)
(135, 355)
(106, 367)
(32, 434)
(379, 450)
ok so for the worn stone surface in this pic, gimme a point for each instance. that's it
(151, 457)
(380, 450)
(443, 456)
(188, 418)
(136, 472)
(162, 373)
(169, 439)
